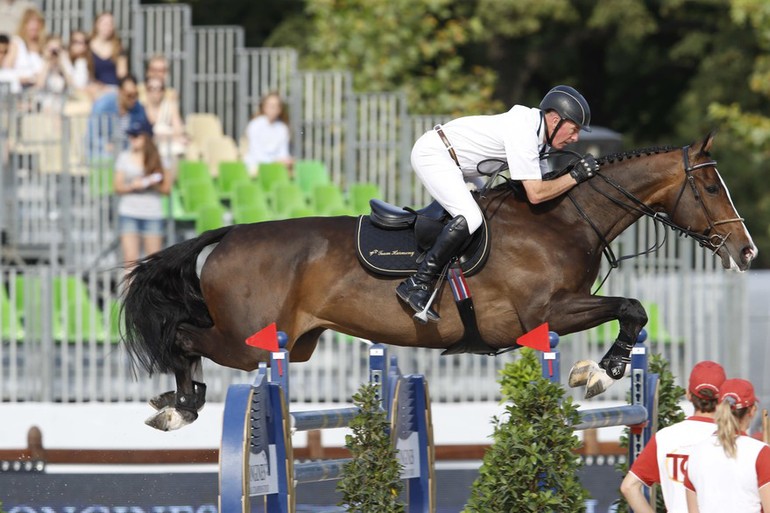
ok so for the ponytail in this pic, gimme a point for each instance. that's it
(728, 425)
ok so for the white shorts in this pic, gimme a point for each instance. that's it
(444, 180)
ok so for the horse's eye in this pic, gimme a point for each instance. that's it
(712, 189)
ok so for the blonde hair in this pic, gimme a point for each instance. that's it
(117, 46)
(729, 425)
(30, 14)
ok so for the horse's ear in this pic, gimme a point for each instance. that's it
(706, 147)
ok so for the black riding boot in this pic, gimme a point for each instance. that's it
(416, 290)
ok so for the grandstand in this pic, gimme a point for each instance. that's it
(59, 274)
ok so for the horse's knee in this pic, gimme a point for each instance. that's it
(633, 311)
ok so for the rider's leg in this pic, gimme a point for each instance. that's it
(446, 184)
(417, 289)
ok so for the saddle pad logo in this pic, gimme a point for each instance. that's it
(391, 252)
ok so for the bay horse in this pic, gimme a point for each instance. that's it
(205, 296)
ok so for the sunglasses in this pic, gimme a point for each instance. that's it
(155, 89)
(131, 96)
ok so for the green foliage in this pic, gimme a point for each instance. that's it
(414, 46)
(531, 465)
(669, 413)
(371, 480)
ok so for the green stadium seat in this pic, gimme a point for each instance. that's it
(190, 171)
(273, 174)
(309, 174)
(327, 198)
(198, 194)
(301, 212)
(249, 195)
(231, 174)
(81, 317)
(11, 326)
(210, 217)
(287, 197)
(251, 214)
(359, 195)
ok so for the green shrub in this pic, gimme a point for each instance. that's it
(371, 480)
(669, 412)
(531, 465)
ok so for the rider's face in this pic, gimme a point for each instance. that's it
(567, 133)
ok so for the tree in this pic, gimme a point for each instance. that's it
(414, 46)
(371, 481)
(531, 465)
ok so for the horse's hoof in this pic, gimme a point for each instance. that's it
(579, 373)
(598, 382)
(169, 419)
(163, 400)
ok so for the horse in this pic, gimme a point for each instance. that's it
(202, 298)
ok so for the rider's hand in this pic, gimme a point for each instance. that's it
(584, 168)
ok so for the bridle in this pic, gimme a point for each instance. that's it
(706, 238)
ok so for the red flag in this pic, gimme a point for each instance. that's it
(536, 338)
(266, 338)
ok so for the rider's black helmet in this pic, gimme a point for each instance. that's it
(569, 104)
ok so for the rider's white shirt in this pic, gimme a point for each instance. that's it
(516, 136)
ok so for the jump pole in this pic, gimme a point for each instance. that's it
(257, 468)
(641, 415)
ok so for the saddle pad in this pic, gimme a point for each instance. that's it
(395, 252)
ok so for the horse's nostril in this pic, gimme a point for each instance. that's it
(749, 253)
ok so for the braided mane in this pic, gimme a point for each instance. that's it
(613, 157)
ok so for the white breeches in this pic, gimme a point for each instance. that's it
(444, 180)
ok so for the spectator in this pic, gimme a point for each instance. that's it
(165, 119)
(80, 63)
(140, 181)
(8, 79)
(664, 458)
(157, 67)
(11, 12)
(268, 134)
(24, 54)
(54, 79)
(730, 471)
(121, 105)
(109, 61)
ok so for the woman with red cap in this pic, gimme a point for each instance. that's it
(664, 458)
(730, 471)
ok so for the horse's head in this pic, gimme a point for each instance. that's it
(700, 205)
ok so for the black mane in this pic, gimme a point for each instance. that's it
(613, 157)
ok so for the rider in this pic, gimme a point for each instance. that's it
(446, 157)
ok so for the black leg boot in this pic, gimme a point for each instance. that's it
(416, 290)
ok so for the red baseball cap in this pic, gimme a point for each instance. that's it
(738, 392)
(706, 375)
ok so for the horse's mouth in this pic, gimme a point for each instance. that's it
(743, 261)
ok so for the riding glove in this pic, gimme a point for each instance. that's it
(584, 168)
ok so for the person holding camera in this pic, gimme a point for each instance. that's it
(141, 181)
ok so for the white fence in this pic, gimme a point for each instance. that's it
(58, 348)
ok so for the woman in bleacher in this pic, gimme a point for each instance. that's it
(141, 181)
(110, 63)
(79, 62)
(166, 121)
(25, 53)
(268, 134)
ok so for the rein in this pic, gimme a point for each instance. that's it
(705, 239)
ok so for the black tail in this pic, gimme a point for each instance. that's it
(163, 291)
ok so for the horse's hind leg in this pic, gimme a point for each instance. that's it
(179, 408)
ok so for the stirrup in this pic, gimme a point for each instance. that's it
(423, 316)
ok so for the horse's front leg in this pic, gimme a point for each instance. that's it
(179, 408)
(577, 313)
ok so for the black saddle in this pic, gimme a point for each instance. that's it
(392, 241)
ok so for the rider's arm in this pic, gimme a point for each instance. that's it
(539, 191)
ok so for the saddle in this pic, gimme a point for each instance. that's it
(392, 241)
